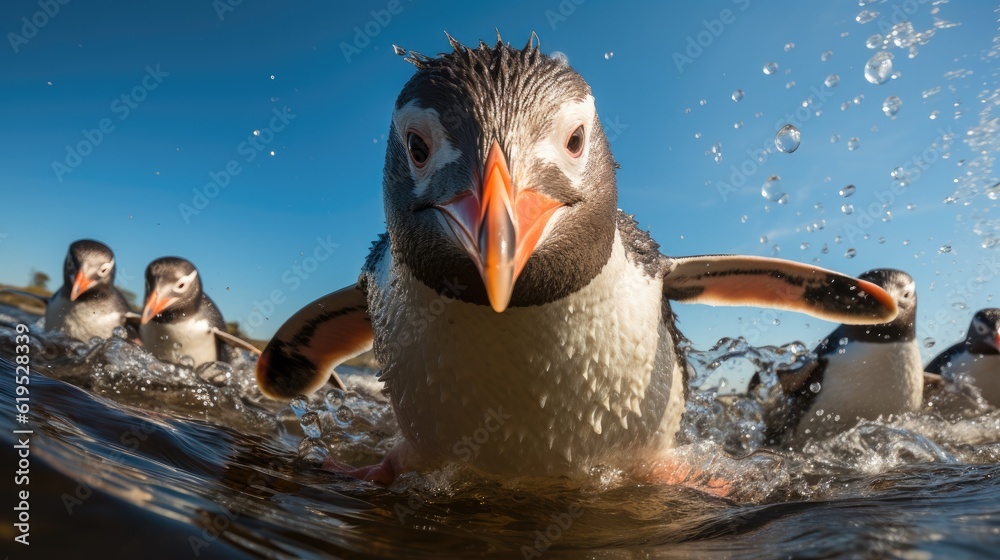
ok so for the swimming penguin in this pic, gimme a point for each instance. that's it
(978, 356)
(861, 372)
(521, 320)
(87, 304)
(179, 319)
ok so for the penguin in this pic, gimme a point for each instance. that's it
(87, 304)
(522, 321)
(860, 372)
(179, 319)
(978, 356)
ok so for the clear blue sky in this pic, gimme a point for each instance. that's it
(217, 79)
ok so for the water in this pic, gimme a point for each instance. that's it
(178, 466)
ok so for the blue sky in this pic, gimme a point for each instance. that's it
(199, 78)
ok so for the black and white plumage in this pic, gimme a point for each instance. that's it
(87, 304)
(978, 356)
(179, 319)
(861, 372)
(510, 299)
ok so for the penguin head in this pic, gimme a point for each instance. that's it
(89, 264)
(984, 332)
(499, 183)
(172, 288)
(902, 288)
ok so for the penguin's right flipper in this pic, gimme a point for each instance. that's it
(301, 356)
(777, 283)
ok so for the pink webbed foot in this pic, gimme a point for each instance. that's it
(679, 472)
(383, 473)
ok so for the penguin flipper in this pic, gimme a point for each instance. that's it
(301, 356)
(236, 341)
(941, 361)
(765, 282)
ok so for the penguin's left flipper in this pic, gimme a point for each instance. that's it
(236, 341)
(765, 282)
(301, 356)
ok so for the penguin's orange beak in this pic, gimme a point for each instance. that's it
(154, 306)
(80, 285)
(498, 226)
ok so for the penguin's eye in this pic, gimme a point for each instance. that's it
(981, 328)
(574, 145)
(417, 146)
(181, 286)
(105, 269)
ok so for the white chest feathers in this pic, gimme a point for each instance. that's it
(982, 369)
(866, 381)
(82, 320)
(189, 337)
(544, 390)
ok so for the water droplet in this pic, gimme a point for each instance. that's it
(911, 206)
(879, 68)
(906, 242)
(763, 239)
(299, 405)
(334, 399)
(783, 199)
(738, 124)
(834, 139)
(875, 41)
(789, 46)
(858, 99)
(744, 218)
(771, 190)
(825, 56)
(256, 133)
(824, 249)
(831, 81)
(186, 361)
(815, 386)
(891, 105)
(609, 55)
(944, 249)
(929, 342)
(819, 412)
(853, 143)
(847, 208)
(843, 341)
(790, 84)
(896, 173)
(344, 414)
(787, 139)
(400, 51)
(837, 239)
(771, 68)
(804, 245)
(697, 135)
(776, 322)
(881, 240)
(847, 191)
(702, 102)
(310, 424)
(935, 114)
(864, 16)
(849, 254)
(738, 95)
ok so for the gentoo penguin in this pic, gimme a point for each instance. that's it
(522, 322)
(861, 372)
(179, 319)
(978, 356)
(87, 304)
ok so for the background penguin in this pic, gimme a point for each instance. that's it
(509, 292)
(179, 319)
(861, 372)
(87, 304)
(978, 356)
